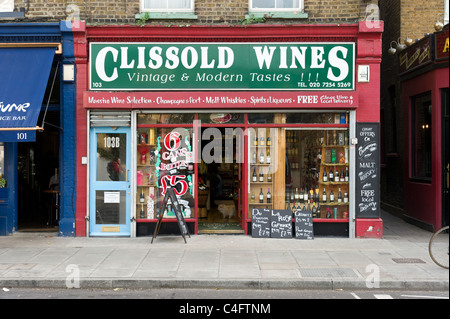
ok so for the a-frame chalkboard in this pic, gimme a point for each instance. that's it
(170, 194)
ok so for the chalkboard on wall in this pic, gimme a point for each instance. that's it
(281, 224)
(367, 199)
(303, 225)
(261, 222)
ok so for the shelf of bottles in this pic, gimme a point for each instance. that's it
(334, 176)
(261, 170)
(317, 178)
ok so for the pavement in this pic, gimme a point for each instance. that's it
(398, 261)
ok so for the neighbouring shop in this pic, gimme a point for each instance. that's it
(287, 123)
(425, 102)
(36, 129)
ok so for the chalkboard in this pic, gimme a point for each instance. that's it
(367, 184)
(281, 224)
(170, 194)
(261, 222)
(303, 224)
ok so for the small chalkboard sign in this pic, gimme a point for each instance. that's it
(281, 224)
(170, 194)
(303, 225)
(261, 223)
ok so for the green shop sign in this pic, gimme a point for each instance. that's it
(225, 66)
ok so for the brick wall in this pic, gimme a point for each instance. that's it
(208, 11)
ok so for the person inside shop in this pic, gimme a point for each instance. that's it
(115, 170)
(53, 184)
(215, 182)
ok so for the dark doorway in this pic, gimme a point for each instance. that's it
(37, 162)
(220, 181)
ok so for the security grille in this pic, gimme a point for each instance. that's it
(113, 119)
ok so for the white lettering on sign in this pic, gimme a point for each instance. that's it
(265, 55)
(10, 107)
(156, 58)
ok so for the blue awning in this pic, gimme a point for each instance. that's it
(24, 74)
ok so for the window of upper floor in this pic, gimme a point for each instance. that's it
(275, 5)
(6, 5)
(445, 11)
(167, 9)
(277, 8)
(167, 5)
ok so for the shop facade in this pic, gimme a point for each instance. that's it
(37, 128)
(235, 119)
(425, 102)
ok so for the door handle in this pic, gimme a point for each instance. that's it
(126, 175)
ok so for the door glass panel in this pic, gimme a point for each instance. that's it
(111, 156)
(110, 207)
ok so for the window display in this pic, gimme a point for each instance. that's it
(164, 159)
(317, 172)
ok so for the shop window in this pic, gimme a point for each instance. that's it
(172, 118)
(421, 137)
(300, 169)
(221, 118)
(164, 159)
(261, 118)
(317, 118)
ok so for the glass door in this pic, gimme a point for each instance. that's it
(109, 198)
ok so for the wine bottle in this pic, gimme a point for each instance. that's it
(268, 159)
(346, 174)
(261, 158)
(297, 196)
(261, 197)
(269, 196)
(305, 196)
(324, 196)
(342, 178)
(269, 176)
(255, 141)
(336, 176)
(330, 175)
(331, 196)
(314, 211)
(254, 157)
(345, 197)
(254, 175)
(269, 141)
(261, 175)
(262, 141)
(141, 197)
(339, 196)
(325, 176)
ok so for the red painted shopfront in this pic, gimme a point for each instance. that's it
(303, 134)
(425, 103)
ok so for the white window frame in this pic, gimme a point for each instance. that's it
(7, 6)
(191, 9)
(445, 12)
(300, 8)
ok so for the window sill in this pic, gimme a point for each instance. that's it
(12, 15)
(278, 15)
(166, 16)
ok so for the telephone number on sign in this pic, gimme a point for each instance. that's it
(330, 84)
